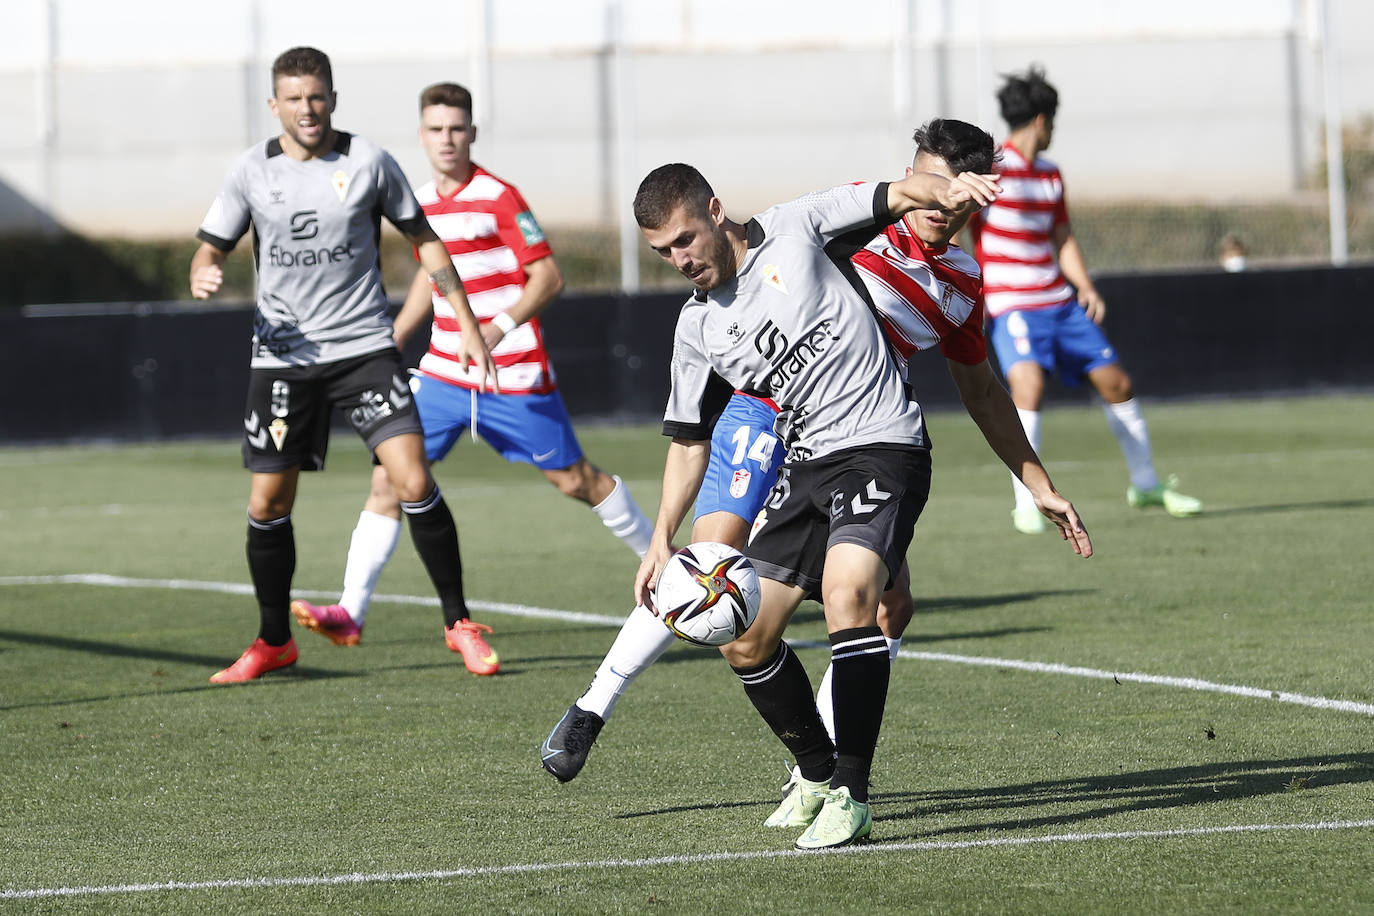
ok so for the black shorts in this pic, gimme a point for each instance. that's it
(286, 422)
(869, 495)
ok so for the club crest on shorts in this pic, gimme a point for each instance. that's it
(277, 430)
(739, 482)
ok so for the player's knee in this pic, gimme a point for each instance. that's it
(410, 484)
(748, 653)
(849, 606)
(265, 508)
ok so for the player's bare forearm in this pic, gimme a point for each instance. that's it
(991, 408)
(207, 271)
(417, 311)
(683, 469)
(543, 283)
(962, 194)
(1075, 270)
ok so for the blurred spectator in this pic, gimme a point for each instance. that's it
(1232, 253)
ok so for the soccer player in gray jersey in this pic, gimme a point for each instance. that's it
(313, 197)
(774, 314)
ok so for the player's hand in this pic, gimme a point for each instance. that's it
(1060, 511)
(646, 578)
(206, 280)
(1093, 304)
(968, 191)
(473, 351)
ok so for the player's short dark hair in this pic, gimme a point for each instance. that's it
(668, 187)
(450, 95)
(965, 147)
(1025, 95)
(302, 61)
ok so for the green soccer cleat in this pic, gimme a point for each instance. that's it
(1028, 520)
(841, 821)
(1165, 494)
(800, 805)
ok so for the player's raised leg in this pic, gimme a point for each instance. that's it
(373, 542)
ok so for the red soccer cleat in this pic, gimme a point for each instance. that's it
(465, 638)
(256, 661)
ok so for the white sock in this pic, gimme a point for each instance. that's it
(825, 705)
(622, 515)
(1030, 422)
(1127, 423)
(374, 540)
(642, 639)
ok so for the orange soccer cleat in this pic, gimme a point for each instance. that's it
(256, 661)
(465, 638)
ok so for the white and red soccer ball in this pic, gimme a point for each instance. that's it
(707, 594)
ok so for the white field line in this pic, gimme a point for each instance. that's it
(522, 610)
(662, 861)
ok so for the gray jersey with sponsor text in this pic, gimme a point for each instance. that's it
(790, 326)
(315, 227)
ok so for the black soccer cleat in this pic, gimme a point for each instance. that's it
(564, 751)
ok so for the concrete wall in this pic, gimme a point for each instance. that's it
(121, 118)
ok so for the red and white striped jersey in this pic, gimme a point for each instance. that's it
(924, 296)
(1014, 237)
(491, 235)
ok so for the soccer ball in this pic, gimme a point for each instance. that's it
(707, 594)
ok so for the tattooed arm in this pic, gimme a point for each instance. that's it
(434, 258)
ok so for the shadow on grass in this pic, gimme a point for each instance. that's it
(1316, 505)
(1105, 796)
(282, 677)
(814, 613)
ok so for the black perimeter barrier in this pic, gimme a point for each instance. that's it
(150, 371)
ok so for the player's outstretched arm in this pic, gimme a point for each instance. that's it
(207, 271)
(964, 193)
(683, 471)
(989, 405)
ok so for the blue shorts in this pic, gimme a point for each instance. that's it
(533, 428)
(1062, 338)
(745, 457)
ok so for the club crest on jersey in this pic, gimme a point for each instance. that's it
(340, 182)
(773, 277)
(733, 331)
(739, 482)
(277, 430)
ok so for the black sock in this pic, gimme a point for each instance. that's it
(271, 562)
(860, 667)
(781, 692)
(436, 539)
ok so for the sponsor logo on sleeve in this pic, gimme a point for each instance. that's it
(529, 228)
